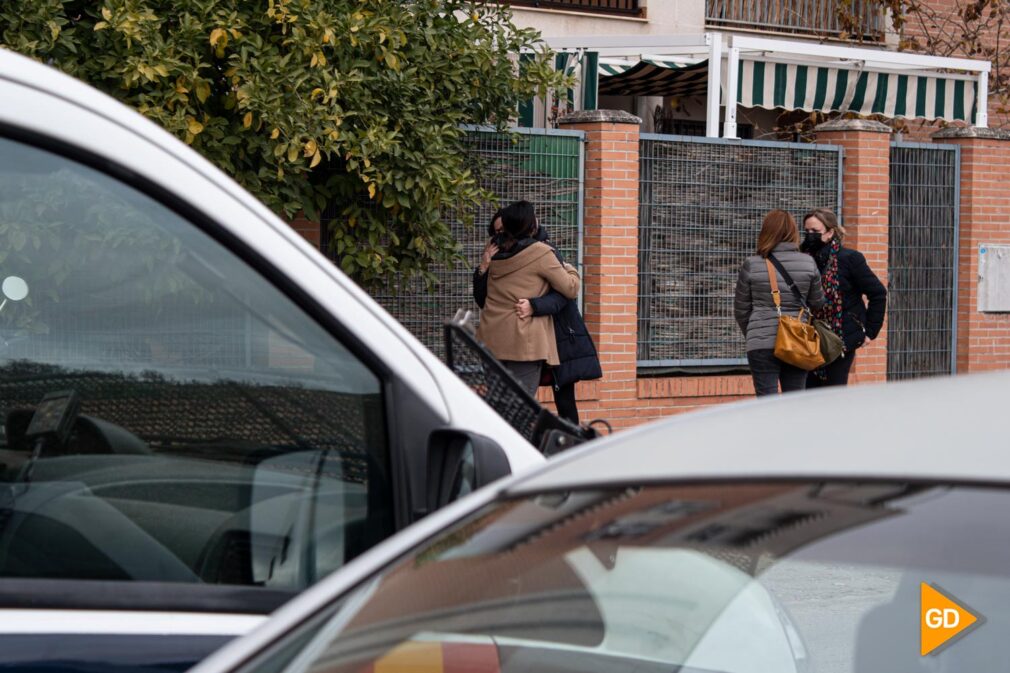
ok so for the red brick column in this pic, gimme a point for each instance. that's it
(865, 204)
(983, 339)
(309, 230)
(610, 257)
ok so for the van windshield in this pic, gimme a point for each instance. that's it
(168, 414)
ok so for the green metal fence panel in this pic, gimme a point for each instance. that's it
(543, 166)
(701, 203)
(922, 260)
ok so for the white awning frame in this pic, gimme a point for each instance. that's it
(784, 51)
(717, 47)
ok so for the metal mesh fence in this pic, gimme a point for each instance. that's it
(922, 260)
(543, 167)
(701, 202)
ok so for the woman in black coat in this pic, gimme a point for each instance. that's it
(576, 351)
(847, 279)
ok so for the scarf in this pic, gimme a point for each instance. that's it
(831, 312)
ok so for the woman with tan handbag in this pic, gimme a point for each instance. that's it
(755, 308)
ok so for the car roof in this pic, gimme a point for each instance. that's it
(949, 429)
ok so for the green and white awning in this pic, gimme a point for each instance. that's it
(767, 73)
(826, 89)
(654, 78)
(584, 65)
(611, 68)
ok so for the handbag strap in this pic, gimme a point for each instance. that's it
(789, 280)
(771, 263)
(776, 296)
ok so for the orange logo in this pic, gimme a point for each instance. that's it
(941, 619)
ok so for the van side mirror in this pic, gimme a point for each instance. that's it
(460, 462)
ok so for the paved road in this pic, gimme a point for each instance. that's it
(827, 604)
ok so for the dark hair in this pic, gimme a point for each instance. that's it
(490, 225)
(519, 220)
(828, 219)
(778, 227)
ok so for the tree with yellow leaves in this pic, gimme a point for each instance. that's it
(307, 103)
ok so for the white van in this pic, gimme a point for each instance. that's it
(202, 415)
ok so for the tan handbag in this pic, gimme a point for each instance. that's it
(797, 343)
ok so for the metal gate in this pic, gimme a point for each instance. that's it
(922, 260)
(701, 203)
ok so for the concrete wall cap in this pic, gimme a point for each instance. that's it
(600, 116)
(853, 125)
(972, 132)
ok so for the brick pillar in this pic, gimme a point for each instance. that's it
(610, 255)
(309, 230)
(983, 339)
(865, 204)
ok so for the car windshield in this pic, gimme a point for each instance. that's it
(169, 415)
(721, 577)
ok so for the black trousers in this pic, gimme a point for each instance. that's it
(564, 400)
(837, 373)
(526, 373)
(769, 372)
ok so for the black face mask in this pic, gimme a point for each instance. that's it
(499, 239)
(812, 242)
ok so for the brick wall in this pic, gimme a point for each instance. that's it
(309, 230)
(865, 205)
(610, 257)
(983, 338)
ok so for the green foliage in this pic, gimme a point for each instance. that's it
(69, 232)
(309, 102)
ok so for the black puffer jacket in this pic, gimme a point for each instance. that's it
(860, 318)
(576, 350)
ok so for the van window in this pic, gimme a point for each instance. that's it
(169, 415)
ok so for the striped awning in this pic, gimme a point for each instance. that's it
(827, 89)
(654, 78)
(611, 68)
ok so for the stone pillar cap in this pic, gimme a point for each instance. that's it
(600, 116)
(868, 125)
(972, 132)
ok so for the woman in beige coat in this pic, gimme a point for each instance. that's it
(523, 268)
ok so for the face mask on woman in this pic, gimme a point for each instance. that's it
(812, 242)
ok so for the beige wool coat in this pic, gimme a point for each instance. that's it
(530, 273)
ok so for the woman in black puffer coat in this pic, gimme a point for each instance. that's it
(846, 279)
(576, 351)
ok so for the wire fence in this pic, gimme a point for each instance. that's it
(701, 203)
(543, 166)
(922, 261)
